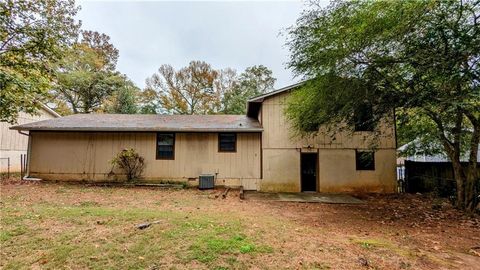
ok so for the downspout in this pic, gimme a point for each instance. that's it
(29, 146)
(395, 127)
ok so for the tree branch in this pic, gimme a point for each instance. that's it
(475, 136)
(448, 145)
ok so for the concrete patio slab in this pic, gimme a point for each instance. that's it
(303, 197)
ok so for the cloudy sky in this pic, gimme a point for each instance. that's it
(222, 33)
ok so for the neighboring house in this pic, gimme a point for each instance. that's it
(255, 150)
(421, 156)
(13, 143)
(421, 172)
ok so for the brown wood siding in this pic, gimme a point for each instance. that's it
(336, 169)
(87, 155)
(11, 139)
(14, 144)
(278, 133)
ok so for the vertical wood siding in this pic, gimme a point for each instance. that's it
(11, 139)
(279, 134)
(336, 161)
(13, 144)
(87, 155)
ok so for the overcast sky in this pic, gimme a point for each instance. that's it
(224, 34)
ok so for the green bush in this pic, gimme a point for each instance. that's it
(129, 161)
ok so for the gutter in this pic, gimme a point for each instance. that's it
(20, 131)
(29, 147)
(115, 129)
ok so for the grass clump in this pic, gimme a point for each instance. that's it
(89, 204)
(208, 249)
(372, 243)
(383, 244)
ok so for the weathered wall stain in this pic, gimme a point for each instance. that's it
(336, 156)
(86, 156)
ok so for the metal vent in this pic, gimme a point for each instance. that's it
(206, 181)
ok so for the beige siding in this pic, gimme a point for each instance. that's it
(86, 156)
(337, 172)
(281, 170)
(278, 133)
(336, 156)
(13, 144)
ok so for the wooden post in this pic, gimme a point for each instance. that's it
(224, 195)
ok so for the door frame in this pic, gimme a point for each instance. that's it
(317, 183)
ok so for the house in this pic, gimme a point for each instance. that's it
(424, 172)
(422, 156)
(13, 144)
(256, 150)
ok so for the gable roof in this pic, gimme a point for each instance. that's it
(260, 98)
(146, 122)
(254, 104)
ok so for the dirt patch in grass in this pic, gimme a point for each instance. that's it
(45, 225)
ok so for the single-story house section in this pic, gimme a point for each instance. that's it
(256, 151)
(14, 144)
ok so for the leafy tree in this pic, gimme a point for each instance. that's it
(33, 35)
(148, 102)
(419, 57)
(195, 89)
(200, 89)
(414, 131)
(254, 81)
(100, 43)
(124, 101)
(86, 75)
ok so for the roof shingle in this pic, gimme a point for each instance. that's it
(146, 122)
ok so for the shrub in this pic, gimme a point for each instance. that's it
(130, 162)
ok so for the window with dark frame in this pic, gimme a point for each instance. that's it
(165, 145)
(364, 118)
(227, 142)
(365, 160)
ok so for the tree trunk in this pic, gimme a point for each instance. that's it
(453, 151)
(470, 189)
(472, 177)
(459, 176)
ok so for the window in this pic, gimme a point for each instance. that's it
(165, 145)
(365, 160)
(227, 142)
(364, 118)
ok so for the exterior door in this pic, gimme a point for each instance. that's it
(308, 165)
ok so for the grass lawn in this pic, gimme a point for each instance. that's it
(52, 226)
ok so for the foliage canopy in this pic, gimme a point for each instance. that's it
(86, 76)
(124, 101)
(418, 57)
(200, 89)
(254, 81)
(33, 36)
